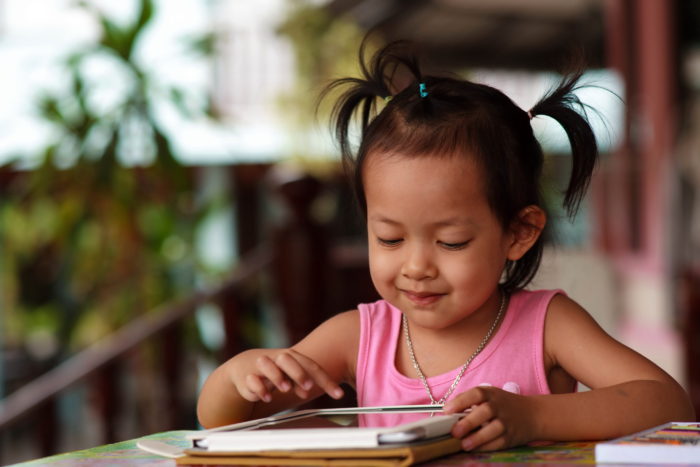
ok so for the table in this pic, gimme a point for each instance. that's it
(127, 454)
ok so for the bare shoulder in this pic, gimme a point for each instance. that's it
(575, 342)
(570, 328)
(566, 315)
(334, 343)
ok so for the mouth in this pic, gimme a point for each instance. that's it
(422, 298)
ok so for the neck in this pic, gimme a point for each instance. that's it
(439, 351)
(472, 327)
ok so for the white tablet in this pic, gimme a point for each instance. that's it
(350, 427)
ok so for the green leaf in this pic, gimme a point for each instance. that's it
(114, 37)
(179, 99)
(50, 110)
(145, 15)
(134, 31)
(203, 44)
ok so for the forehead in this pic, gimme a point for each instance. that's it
(424, 183)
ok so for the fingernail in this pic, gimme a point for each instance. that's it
(267, 398)
(285, 386)
(307, 385)
(467, 444)
(338, 393)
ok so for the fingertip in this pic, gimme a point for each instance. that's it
(251, 397)
(337, 393)
(467, 444)
(301, 393)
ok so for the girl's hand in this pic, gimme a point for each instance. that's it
(498, 419)
(287, 370)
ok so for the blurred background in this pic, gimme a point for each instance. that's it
(168, 197)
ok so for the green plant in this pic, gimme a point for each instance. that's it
(86, 242)
(325, 48)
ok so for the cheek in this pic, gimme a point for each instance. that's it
(460, 272)
(377, 264)
(471, 268)
(381, 266)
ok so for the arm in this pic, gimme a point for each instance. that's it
(628, 392)
(259, 382)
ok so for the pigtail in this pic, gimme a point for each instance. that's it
(360, 96)
(566, 108)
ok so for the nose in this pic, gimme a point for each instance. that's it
(418, 264)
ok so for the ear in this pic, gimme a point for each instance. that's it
(525, 230)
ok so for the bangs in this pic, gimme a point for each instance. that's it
(414, 137)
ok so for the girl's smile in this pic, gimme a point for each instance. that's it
(422, 299)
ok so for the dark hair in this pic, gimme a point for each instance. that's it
(462, 117)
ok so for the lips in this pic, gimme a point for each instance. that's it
(422, 298)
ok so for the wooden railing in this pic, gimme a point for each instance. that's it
(41, 393)
(311, 278)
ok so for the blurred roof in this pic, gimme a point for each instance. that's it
(529, 34)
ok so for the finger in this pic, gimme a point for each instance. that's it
(257, 390)
(291, 366)
(321, 378)
(301, 392)
(312, 374)
(273, 373)
(301, 381)
(479, 416)
(490, 437)
(466, 400)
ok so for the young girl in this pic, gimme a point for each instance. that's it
(448, 174)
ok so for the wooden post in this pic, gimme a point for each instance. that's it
(108, 399)
(46, 420)
(230, 312)
(172, 358)
(300, 267)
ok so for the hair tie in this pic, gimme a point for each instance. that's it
(529, 114)
(421, 90)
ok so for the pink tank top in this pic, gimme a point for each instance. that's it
(512, 360)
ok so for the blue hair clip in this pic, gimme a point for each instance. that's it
(421, 90)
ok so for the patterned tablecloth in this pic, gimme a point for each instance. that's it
(127, 454)
(124, 453)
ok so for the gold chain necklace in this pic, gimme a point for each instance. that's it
(480, 347)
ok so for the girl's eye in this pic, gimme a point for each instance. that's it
(454, 246)
(389, 241)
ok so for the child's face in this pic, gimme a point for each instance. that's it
(436, 249)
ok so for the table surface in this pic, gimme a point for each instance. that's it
(127, 454)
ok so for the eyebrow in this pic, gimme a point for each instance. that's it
(382, 219)
(450, 222)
